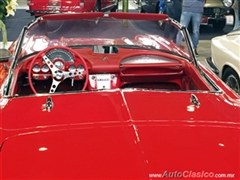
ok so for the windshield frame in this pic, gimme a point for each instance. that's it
(114, 15)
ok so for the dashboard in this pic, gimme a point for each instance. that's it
(64, 69)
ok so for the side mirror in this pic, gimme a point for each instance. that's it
(4, 55)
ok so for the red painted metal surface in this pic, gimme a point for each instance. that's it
(123, 134)
(64, 6)
(120, 133)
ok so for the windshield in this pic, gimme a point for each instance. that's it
(94, 51)
(82, 30)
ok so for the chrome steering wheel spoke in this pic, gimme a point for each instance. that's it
(69, 74)
(54, 86)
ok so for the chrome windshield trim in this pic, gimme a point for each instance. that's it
(8, 81)
(193, 56)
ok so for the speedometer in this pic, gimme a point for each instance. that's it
(62, 54)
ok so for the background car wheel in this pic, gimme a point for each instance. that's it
(231, 78)
(219, 25)
(157, 8)
(142, 10)
(233, 15)
(97, 7)
(33, 14)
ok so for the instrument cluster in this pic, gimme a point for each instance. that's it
(62, 59)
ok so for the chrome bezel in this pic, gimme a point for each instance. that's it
(72, 68)
(227, 3)
(59, 67)
(80, 68)
(36, 70)
(44, 70)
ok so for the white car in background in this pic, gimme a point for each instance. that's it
(225, 59)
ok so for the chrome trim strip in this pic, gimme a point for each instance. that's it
(8, 81)
(212, 66)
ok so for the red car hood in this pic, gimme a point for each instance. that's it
(119, 134)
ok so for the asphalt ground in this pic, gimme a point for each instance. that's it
(14, 25)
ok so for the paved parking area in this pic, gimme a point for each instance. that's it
(204, 50)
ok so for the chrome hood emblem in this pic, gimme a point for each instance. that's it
(49, 104)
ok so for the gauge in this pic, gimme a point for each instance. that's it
(72, 68)
(36, 68)
(59, 64)
(60, 54)
(80, 68)
(44, 68)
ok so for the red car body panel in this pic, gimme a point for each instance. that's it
(63, 6)
(114, 152)
(121, 133)
(118, 133)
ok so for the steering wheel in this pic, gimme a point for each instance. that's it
(58, 74)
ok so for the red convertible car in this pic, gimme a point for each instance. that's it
(106, 96)
(40, 7)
